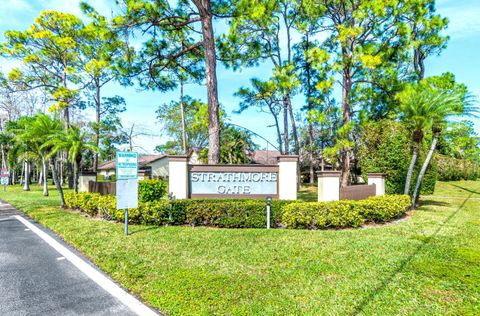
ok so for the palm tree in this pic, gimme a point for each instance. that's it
(24, 147)
(75, 142)
(445, 104)
(36, 130)
(416, 111)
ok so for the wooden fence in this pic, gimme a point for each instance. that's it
(357, 192)
(103, 188)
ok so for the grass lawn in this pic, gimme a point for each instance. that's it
(308, 193)
(428, 264)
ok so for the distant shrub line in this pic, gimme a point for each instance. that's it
(236, 213)
(451, 169)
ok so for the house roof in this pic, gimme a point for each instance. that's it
(143, 160)
(265, 157)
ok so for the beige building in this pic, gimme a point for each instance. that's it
(149, 166)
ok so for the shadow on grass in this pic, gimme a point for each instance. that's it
(136, 231)
(463, 188)
(433, 203)
(359, 308)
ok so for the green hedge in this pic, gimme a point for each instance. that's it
(385, 147)
(232, 213)
(342, 214)
(151, 190)
(451, 169)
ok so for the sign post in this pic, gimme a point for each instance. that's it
(4, 178)
(127, 182)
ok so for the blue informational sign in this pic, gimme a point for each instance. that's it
(126, 166)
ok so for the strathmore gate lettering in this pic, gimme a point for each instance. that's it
(252, 181)
(233, 183)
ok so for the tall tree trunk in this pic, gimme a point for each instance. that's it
(421, 175)
(294, 127)
(97, 121)
(419, 63)
(285, 127)
(279, 133)
(45, 176)
(22, 174)
(309, 109)
(184, 127)
(75, 177)
(40, 177)
(26, 185)
(346, 89)
(57, 182)
(70, 175)
(4, 163)
(205, 12)
(408, 181)
(60, 168)
(66, 114)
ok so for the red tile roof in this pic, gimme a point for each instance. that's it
(265, 157)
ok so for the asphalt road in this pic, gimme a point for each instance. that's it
(35, 279)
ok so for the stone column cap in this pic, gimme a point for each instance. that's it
(376, 175)
(329, 173)
(282, 158)
(178, 158)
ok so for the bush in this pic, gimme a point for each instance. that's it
(236, 213)
(151, 190)
(451, 169)
(87, 202)
(342, 214)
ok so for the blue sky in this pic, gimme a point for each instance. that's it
(461, 58)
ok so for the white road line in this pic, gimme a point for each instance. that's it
(108, 285)
(60, 258)
(27, 230)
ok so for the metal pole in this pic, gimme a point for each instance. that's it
(170, 207)
(126, 222)
(268, 200)
(268, 216)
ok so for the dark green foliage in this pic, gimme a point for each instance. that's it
(451, 169)
(385, 148)
(236, 213)
(430, 178)
(151, 190)
(342, 214)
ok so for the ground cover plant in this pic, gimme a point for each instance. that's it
(425, 265)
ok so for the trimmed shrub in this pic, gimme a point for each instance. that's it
(151, 190)
(342, 214)
(242, 213)
(381, 209)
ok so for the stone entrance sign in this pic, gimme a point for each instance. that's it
(233, 181)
